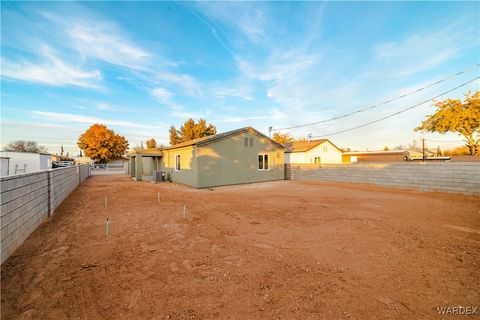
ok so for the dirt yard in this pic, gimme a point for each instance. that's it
(276, 250)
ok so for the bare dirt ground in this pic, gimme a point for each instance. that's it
(275, 250)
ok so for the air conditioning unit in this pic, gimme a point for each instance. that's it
(157, 176)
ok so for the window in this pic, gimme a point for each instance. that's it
(245, 142)
(177, 162)
(251, 142)
(325, 149)
(263, 162)
(317, 160)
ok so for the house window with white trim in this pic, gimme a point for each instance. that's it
(317, 160)
(263, 162)
(177, 162)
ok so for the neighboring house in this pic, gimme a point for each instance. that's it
(24, 162)
(240, 156)
(82, 160)
(118, 162)
(313, 151)
(375, 156)
(4, 169)
(390, 156)
(417, 153)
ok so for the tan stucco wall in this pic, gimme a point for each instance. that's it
(188, 165)
(229, 161)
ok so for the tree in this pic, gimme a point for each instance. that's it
(282, 138)
(25, 146)
(101, 144)
(453, 115)
(386, 148)
(191, 130)
(151, 144)
(173, 136)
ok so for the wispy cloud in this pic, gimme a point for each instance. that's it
(247, 18)
(240, 88)
(107, 107)
(51, 71)
(99, 39)
(165, 97)
(421, 51)
(77, 118)
(162, 95)
(240, 119)
(187, 83)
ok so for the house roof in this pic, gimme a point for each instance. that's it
(304, 146)
(221, 136)
(147, 152)
(377, 153)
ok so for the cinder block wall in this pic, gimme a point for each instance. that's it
(28, 199)
(454, 177)
(62, 182)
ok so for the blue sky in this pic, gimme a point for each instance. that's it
(141, 66)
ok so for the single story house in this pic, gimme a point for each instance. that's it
(14, 162)
(375, 156)
(391, 156)
(239, 156)
(313, 151)
(118, 163)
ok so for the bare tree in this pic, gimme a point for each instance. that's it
(26, 146)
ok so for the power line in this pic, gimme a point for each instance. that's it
(446, 141)
(379, 104)
(399, 112)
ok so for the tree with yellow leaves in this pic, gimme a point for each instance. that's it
(102, 144)
(191, 130)
(453, 115)
(151, 143)
(282, 138)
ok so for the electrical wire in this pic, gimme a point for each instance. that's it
(445, 141)
(379, 104)
(398, 112)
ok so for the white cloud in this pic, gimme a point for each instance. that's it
(98, 38)
(187, 114)
(189, 84)
(52, 71)
(77, 118)
(240, 88)
(420, 52)
(165, 96)
(240, 119)
(107, 107)
(162, 95)
(104, 42)
(248, 18)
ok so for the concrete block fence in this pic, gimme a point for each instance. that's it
(453, 177)
(28, 199)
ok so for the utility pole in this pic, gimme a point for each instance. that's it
(423, 149)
